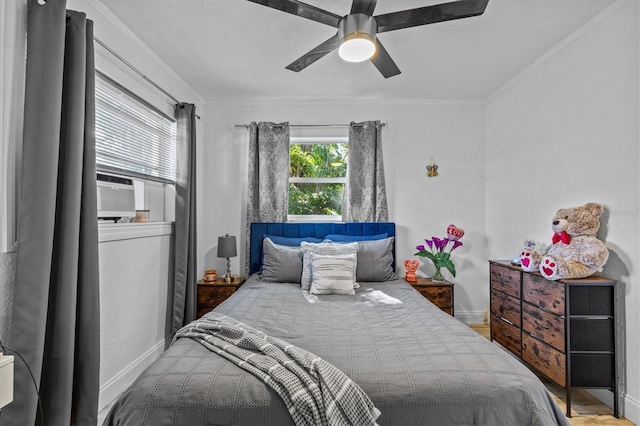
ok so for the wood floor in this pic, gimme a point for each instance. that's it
(585, 409)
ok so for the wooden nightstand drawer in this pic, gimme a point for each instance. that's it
(211, 294)
(438, 293)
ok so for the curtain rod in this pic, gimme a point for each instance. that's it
(246, 126)
(137, 71)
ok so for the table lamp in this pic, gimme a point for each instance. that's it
(227, 248)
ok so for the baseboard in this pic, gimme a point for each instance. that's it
(116, 385)
(629, 407)
(471, 317)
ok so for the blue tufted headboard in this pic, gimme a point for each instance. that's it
(318, 230)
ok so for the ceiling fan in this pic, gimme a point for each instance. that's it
(356, 39)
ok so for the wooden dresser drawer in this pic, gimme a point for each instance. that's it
(505, 279)
(544, 326)
(505, 306)
(506, 334)
(548, 295)
(548, 361)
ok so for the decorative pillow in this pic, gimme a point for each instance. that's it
(281, 263)
(340, 238)
(325, 249)
(286, 241)
(375, 260)
(333, 274)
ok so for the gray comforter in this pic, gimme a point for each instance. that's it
(418, 365)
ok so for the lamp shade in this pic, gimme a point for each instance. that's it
(227, 246)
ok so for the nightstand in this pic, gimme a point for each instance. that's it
(213, 293)
(439, 293)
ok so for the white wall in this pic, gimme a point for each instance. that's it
(563, 133)
(451, 132)
(12, 68)
(135, 276)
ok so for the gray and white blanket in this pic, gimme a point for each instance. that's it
(314, 391)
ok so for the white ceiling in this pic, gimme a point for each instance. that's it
(238, 49)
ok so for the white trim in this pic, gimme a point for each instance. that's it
(110, 390)
(127, 231)
(313, 218)
(137, 42)
(299, 140)
(357, 101)
(318, 179)
(470, 317)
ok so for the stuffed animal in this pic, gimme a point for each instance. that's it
(575, 252)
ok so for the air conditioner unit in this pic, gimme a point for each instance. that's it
(116, 197)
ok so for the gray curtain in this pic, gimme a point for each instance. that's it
(365, 194)
(56, 312)
(184, 294)
(268, 189)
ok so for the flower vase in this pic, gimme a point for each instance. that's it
(437, 276)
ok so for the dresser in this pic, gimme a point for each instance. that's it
(212, 293)
(564, 329)
(439, 293)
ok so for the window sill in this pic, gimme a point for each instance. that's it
(128, 231)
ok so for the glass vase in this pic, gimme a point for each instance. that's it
(437, 276)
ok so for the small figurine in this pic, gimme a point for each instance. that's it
(432, 168)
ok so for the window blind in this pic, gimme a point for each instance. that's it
(131, 136)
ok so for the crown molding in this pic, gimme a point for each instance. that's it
(345, 101)
(139, 44)
(585, 29)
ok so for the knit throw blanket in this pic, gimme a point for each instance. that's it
(314, 391)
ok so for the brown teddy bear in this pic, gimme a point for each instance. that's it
(575, 252)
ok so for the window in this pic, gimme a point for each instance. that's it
(135, 140)
(317, 177)
(132, 137)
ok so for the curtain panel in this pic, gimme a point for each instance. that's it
(268, 177)
(56, 312)
(184, 291)
(365, 193)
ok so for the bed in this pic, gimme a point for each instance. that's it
(417, 364)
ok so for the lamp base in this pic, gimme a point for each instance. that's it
(227, 278)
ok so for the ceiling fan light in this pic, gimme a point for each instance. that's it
(357, 47)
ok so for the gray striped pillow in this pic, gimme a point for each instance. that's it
(333, 274)
(325, 249)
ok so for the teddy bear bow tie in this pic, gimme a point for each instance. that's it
(562, 236)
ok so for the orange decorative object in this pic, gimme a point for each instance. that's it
(410, 267)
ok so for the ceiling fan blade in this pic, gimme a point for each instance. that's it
(430, 14)
(363, 6)
(304, 10)
(382, 60)
(314, 54)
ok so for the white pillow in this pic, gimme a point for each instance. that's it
(325, 249)
(333, 274)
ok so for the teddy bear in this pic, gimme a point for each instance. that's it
(575, 251)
